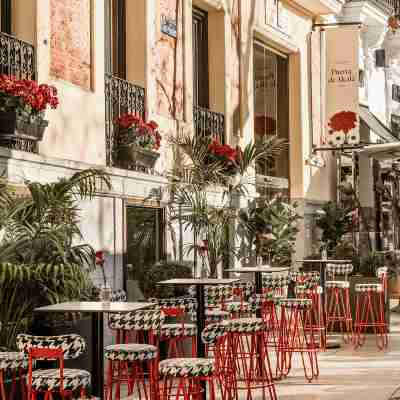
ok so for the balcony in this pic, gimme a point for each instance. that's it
(17, 58)
(121, 97)
(209, 123)
(389, 6)
(321, 7)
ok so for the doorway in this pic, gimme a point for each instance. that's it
(144, 243)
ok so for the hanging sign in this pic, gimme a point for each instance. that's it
(341, 116)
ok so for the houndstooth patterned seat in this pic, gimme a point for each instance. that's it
(118, 295)
(11, 360)
(307, 290)
(187, 367)
(245, 325)
(247, 288)
(339, 269)
(295, 303)
(276, 281)
(213, 332)
(49, 379)
(337, 284)
(144, 320)
(130, 352)
(368, 287)
(178, 330)
(187, 304)
(309, 277)
(216, 315)
(237, 306)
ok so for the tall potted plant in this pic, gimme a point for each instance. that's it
(22, 107)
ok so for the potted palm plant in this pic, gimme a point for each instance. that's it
(22, 108)
(136, 142)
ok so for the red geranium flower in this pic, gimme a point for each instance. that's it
(343, 121)
(100, 257)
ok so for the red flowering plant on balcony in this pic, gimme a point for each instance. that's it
(134, 130)
(225, 155)
(26, 97)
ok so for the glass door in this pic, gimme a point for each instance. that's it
(144, 243)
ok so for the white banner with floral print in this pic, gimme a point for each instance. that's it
(341, 86)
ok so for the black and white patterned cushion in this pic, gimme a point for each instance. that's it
(10, 360)
(214, 294)
(337, 284)
(187, 367)
(178, 330)
(215, 315)
(276, 281)
(49, 379)
(382, 272)
(72, 345)
(213, 332)
(310, 277)
(118, 295)
(245, 325)
(237, 306)
(130, 352)
(246, 287)
(295, 303)
(368, 287)
(187, 304)
(339, 269)
(145, 320)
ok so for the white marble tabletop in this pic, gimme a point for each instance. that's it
(95, 307)
(263, 269)
(325, 261)
(200, 281)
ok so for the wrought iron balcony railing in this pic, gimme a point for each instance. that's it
(392, 6)
(209, 123)
(121, 97)
(17, 57)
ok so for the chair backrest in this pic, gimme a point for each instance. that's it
(275, 281)
(118, 295)
(186, 304)
(217, 294)
(243, 289)
(339, 269)
(309, 278)
(71, 345)
(212, 333)
(144, 320)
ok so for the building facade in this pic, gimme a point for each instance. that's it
(235, 68)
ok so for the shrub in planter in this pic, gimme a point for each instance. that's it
(137, 142)
(22, 107)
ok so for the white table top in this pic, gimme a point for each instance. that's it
(267, 270)
(95, 306)
(192, 282)
(325, 261)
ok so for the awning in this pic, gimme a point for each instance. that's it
(386, 151)
(376, 125)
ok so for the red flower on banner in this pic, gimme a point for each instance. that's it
(343, 121)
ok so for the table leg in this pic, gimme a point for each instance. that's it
(97, 355)
(322, 275)
(201, 322)
(259, 289)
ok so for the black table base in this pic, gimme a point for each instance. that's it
(97, 355)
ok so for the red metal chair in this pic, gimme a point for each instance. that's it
(63, 381)
(12, 364)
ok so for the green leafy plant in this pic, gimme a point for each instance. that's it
(368, 265)
(160, 271)
(272, 226)
(40, 262)
(335, 222)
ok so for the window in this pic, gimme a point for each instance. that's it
(395, 125)
(361, 78)
(200, 58)
(6, 21)
(396, 93)
(380, 58)
(271, 109)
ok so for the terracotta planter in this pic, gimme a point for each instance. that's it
(136, 155)
(13, 126)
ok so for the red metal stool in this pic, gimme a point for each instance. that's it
(12, 364)
(296, 336)
(338, 311)
(248, 352)
(314, 293)
(130, 364)
(370, 313)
